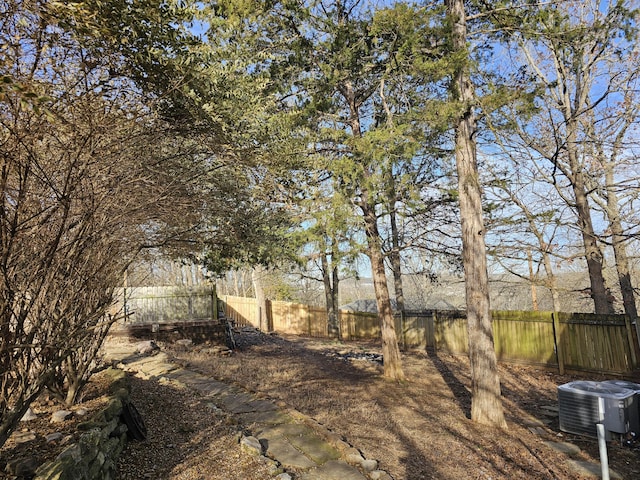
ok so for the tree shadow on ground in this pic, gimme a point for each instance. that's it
(414, 461)
(461, 394)
(478, 449)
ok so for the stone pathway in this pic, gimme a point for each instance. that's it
(298, 447)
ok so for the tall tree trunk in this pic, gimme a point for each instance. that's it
(394, 257)
(336, 299)
(615, 225)
(599, 292)
(486, 406)
(624, 272)
(256, 277)
(330, 282)
(593, 255)
(390, 350)
(607, 157)
(620, 252)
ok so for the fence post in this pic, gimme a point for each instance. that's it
(557, 341)
(632, 345)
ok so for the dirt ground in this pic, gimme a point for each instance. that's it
(419, 429)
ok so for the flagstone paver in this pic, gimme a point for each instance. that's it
(315, 448)
(591, 470)
(537, 430)
(304, 439)
(272, 417)
(563, 447)
(334, 470)
(289, 456)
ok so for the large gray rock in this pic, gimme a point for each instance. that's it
(354, 457)
(29, 415)
(146, 347)
(251, 444)
(52, 437)
(23, 437)
(60, 416)
(369, 465)
(379, 475)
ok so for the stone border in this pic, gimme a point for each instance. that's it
(95, 455)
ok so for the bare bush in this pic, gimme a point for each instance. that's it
(81, 195)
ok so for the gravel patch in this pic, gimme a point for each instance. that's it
(186, 439)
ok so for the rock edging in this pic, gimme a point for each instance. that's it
(95, 455)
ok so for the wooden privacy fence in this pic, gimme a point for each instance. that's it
(572, 341)
(150, 305)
